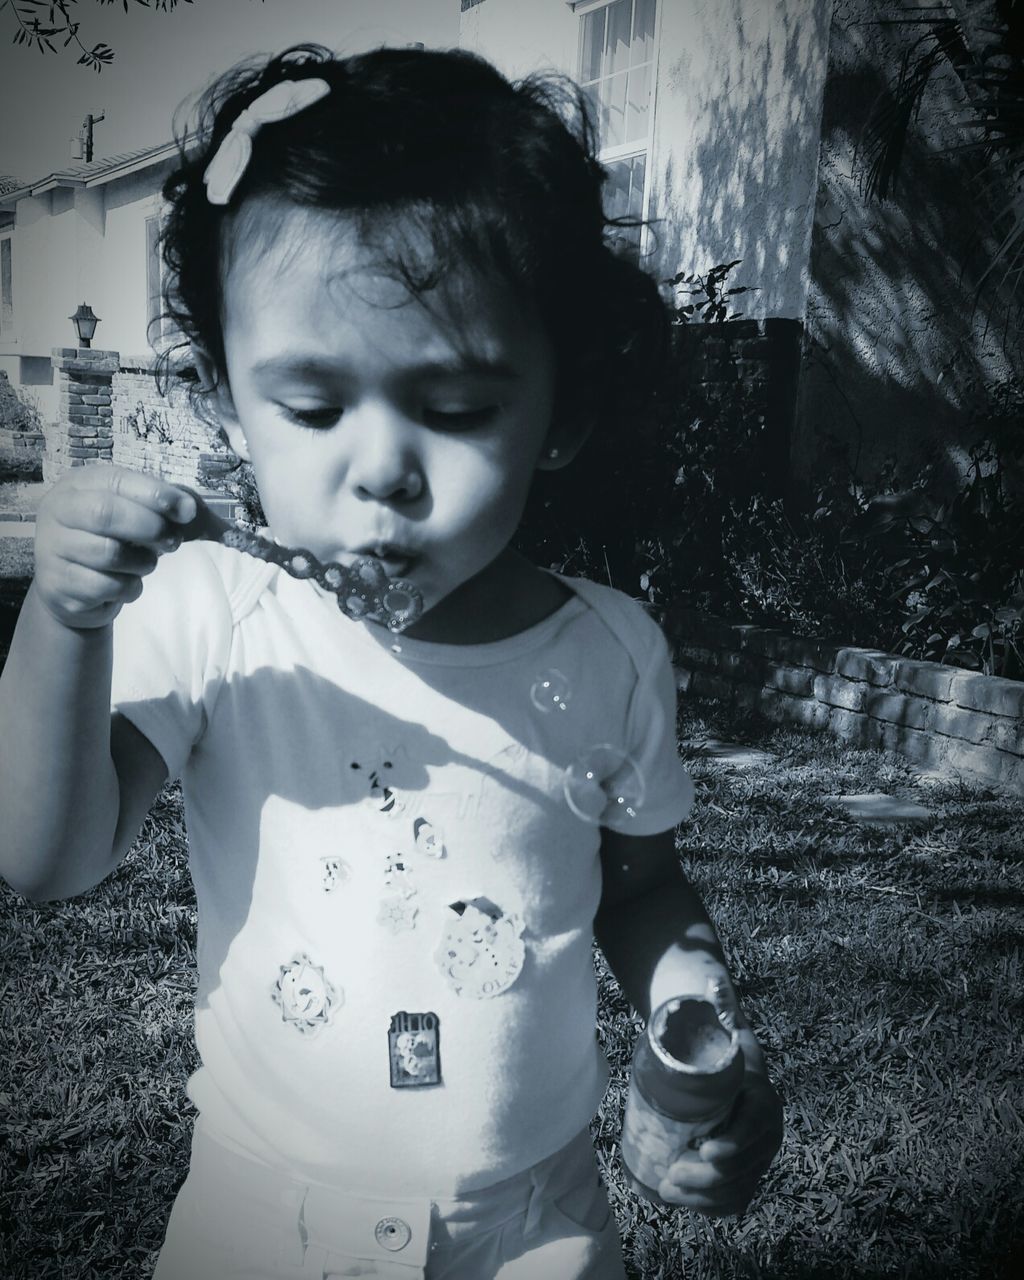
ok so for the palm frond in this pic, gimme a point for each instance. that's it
(987, 56)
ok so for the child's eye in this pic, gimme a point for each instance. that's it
(316, 419)
(460, 419)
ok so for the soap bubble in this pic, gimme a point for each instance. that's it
(550, 691)
(603, 785)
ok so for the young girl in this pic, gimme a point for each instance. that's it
(393, 273)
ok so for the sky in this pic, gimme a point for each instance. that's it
(162, 58)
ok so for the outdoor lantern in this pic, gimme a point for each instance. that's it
(85, 324)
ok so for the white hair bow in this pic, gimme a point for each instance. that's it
(284, 99)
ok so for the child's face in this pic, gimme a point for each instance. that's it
(375, 425)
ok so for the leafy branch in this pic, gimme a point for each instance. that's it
(42, 22)
(708, 293)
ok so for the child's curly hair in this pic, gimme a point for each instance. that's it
(432, 148)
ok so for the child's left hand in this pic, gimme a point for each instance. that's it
(721, 1176)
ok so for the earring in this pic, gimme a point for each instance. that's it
(552, 454)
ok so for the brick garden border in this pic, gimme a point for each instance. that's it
(111, 409)
(942, 718)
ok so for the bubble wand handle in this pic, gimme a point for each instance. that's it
(363, 589)
(686, 1075)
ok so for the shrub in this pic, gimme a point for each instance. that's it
(813, 574)
(940, 579)
(645, 509)
(17, 463)
(675, 510)
(957, 568)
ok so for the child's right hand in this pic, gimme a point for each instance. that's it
(99, 531)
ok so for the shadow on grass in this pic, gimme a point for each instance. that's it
(12, 596)
(978, 895)
(887, 1002)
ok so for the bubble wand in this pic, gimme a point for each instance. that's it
(363, 589)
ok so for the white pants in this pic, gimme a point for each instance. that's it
(237, 1217)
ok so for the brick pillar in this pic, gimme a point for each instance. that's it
(84, 430)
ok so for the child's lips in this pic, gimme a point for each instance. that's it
(396, 566)
(396, 561)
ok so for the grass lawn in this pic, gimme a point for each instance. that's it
(21, 495)
(880, 965)
(16, 555)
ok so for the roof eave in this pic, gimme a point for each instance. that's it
(155, 157)
(57, 181)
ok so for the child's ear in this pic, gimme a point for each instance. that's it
(219, 395)
(563, 443)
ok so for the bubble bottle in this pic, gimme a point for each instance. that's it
(686, 1075)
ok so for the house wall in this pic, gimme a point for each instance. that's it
(520, 36)
(735, 149)
(736, 125)
(85, 244)
(43, 263)
(129, 202)
(896, 353)
(733, 155)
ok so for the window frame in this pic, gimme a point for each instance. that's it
(8, 327)
(154, 217)
(637, 147)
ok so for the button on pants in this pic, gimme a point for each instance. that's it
(236, 1218)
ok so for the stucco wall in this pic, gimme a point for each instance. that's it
(44, 272)
(79, 245)
(735, 136)
(85, 244)
(895, 350)
(520, 36)
(736, 142)
(129, 202)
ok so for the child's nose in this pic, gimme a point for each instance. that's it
(383, 464)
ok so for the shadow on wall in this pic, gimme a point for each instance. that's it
(740, 171)
(897, 356)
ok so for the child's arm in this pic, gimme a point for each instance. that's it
(660, 943)
(75, 785)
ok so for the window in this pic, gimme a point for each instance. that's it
(617, 75)
(155, 327)
(6, 287)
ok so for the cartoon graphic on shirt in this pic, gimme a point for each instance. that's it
(397, 913)
(428, 839)
(306, 998)
(333, 871)
(398, 875)
(414, 1049)
(481, 952)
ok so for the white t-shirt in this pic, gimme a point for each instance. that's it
(396, 882)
